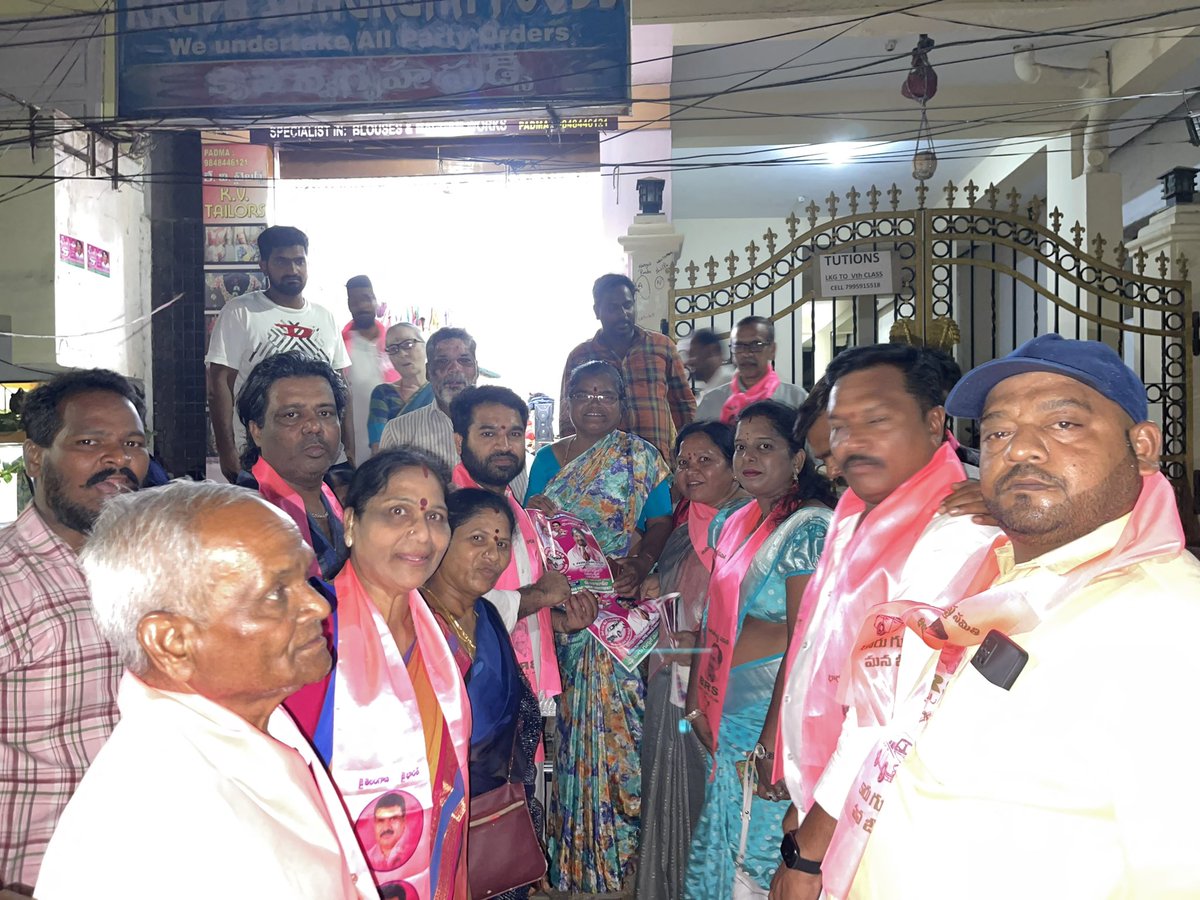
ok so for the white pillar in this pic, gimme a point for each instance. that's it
(653, 246)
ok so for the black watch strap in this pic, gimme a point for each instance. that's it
(789, 851)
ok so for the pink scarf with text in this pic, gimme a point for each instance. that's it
(379, 743)
(743, 534)
(699, 521)
(866, 575)
(964, 613)
(279, 493)
(739, 400)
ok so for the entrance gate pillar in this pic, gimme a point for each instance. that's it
(653, 246)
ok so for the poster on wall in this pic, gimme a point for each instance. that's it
(98, 260)
(223, 285)
(70, 250)
(232, 243)
(229, 59)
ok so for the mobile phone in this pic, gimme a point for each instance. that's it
(999, 659)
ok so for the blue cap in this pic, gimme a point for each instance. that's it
(1091, 362)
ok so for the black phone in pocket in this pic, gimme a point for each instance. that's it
(999, 660)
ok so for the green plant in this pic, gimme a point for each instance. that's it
(10, 421)
(9, 470)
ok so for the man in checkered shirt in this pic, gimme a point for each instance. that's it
(58, 677)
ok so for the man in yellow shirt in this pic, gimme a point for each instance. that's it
(1070, 776)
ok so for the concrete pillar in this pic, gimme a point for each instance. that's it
(177, 267)
(653, 246)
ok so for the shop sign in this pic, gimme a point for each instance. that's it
(855, 273)
(228, 59)
(417, 130)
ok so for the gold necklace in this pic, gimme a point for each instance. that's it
(465, 639)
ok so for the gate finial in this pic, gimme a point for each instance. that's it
(1139, 260)
(921, 190)
(711, 266)
(972, 191)
(894, 196)
(873, 198)
(1122, 254)
(1163, 261)
(692, 271)
(1078, 230)
(950, 190)
(751, 253)
(731, 261)
(832, 201)
(1182, 263)
(793, 223)
(1014, 200)
(1035, 208)
(852, 198)
(674, 272)
(769, 236)
(1098, 245)
(1055, 219)
(992, 194)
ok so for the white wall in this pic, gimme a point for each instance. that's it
(27, 261)
(1154, 151)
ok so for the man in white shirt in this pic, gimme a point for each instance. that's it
(887, 542)
(451, 368)
(754, 356)
(706, 359)
(489, 425)
(261, 324)
(366, 347)
(205, 788)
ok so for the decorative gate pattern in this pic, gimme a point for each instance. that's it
(975, 280)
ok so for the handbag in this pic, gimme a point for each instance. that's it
(503, 850)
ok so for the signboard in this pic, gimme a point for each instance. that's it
(225, 59)
(855, 272)
(235, 183)
(421, 130)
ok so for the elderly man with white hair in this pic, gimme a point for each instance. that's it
(205, 789)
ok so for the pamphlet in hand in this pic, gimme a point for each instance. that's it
(626, 628)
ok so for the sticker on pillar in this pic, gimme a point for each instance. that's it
(221, 286)
(70, 250)
(98, 260)
(232, 243)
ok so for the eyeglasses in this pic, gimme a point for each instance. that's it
(603, 397)
(403, 345)
(752, 347)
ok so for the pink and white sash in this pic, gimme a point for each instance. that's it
(740, 399)
(742, 536)
(958, 619)
(279, 493)
(543, 675)
(866, 574)
(379, 745)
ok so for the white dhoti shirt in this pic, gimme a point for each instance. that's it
(190, 801)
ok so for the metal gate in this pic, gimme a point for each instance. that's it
(976, 280)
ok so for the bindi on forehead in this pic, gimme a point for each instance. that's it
(424, 503)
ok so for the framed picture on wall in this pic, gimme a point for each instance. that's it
(223, 285)
(232, 243)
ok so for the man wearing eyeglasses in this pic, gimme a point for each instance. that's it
(369, 364)
(451, 368)
(660, 400)
(754, 358)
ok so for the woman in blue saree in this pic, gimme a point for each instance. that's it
(617, 483)
(765, 552)
(506, 721)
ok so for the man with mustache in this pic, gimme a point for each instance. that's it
(755, 379)
(660, 400)
(451, 368)
(489, 434)
(85, 443)
(1068, 775)
(390, 813)
(260, 324)
(291, 406)
(887, 542)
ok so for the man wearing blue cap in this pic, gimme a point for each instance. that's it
(1051, 751)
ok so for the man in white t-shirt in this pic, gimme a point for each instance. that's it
(261, 324)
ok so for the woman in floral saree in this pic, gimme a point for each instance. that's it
(617, 483)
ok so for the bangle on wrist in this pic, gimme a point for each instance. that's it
(691, 716)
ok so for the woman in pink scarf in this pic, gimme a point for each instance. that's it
(764, 555)
(674, 763)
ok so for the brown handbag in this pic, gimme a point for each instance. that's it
(503, 851)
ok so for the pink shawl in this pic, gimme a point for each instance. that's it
(739, 399)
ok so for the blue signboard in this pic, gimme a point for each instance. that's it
(233, 59)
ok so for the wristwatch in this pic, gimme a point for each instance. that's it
(790, 851)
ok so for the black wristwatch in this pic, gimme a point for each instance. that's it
(790, 852)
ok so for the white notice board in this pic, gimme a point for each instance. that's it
(855, 272)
